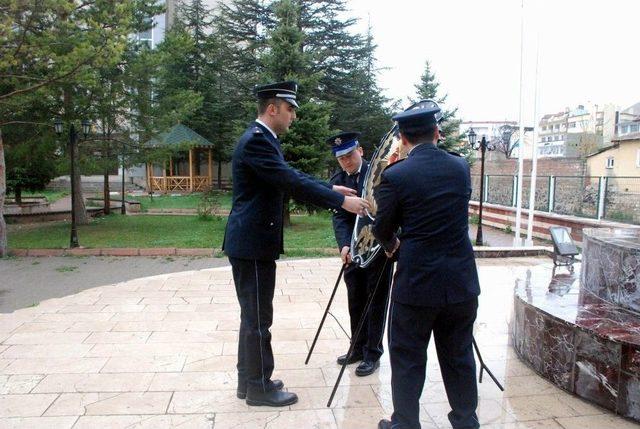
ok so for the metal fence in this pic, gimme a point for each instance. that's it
(622, 199)
(576, 196)
(500, 190)
(611, 198)
(541, 201)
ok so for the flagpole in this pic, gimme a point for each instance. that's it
(534, 155)
(517, 242)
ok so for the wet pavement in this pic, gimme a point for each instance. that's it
(159, 352)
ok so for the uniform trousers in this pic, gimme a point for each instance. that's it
(361, 283)
(255, 284)
(410, 329)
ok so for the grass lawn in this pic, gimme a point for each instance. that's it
(307, 232)
(188, 201)
(52, 196)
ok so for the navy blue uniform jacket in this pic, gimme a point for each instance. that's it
(427, 195)
(343, 221)
(261, 177)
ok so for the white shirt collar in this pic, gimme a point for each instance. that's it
(267, 127)
(357, 172)
(359, 169)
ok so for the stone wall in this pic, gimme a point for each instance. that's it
(546, 167)
(501, 217)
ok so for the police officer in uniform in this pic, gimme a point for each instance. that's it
(360, 281)
(436, 282)
(254, 236)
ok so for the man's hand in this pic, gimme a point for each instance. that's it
(344, 190)
(395, 249)
(356, 205)
(345, 255)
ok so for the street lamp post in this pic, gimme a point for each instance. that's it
(73, 141)
(483, 145)
(123, 208)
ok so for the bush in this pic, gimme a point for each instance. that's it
(209, 205)
(620, 216)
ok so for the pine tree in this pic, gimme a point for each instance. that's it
(116, 104)
(243, 25)
(428, 88)
(346, 61)
(46, 51)
(367, 110)
(303, 145)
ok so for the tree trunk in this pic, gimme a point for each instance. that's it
(219, 174)
(106, 197)
(286, 213)
(18, 195)
(81, 211)
(3, 190)
(105, 193)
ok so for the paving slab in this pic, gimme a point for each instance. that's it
(159, 352)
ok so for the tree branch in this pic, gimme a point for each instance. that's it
(3, 124)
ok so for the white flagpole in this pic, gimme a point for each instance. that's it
(516, 240)
(534, 155)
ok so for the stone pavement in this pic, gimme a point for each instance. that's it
(27, 281)
(159, 352)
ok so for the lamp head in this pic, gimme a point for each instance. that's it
(86, 127)
(472, 136)
(57, 125)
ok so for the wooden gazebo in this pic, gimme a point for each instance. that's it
(181, 173)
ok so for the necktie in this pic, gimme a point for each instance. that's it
(353, 181)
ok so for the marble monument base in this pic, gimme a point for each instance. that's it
(578, 330)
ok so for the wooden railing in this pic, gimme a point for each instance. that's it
(179, 184)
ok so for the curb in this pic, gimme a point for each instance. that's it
(480, 252)
(115, 251)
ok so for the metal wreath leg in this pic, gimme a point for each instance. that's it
(324, 316)
(357, 333)
(484, 367)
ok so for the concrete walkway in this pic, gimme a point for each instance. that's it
(159, 352)
(27, 281)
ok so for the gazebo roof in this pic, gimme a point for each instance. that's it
(179, 134)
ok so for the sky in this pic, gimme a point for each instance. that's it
(587, 52)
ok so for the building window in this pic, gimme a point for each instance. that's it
(610, 162)
(572, 124)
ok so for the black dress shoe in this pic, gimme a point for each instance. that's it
(242, 393)
(384, 424)
(273, 398)
(354, 358)
(367, 367)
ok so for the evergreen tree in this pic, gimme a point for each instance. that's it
(428, 88)
(303, 145)
(207, 63)
(46, 49)
(346, 61)
(367, 110)
(173, 93)
(242, 30)
(30, 158)
(194, 20)
(243, 25)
